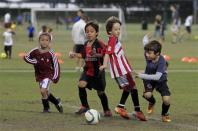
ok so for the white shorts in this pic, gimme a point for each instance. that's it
(45, 83)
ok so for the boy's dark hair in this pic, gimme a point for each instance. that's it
(81, 11)
(109, 23)
(92, 24)
(153, 46)
(46, 34)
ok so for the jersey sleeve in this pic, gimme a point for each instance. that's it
(56, 67)
(111, 45)
(29, 57)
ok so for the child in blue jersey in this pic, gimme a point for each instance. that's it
(155, 77)
(31, 30)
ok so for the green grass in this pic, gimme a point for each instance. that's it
(20, 104)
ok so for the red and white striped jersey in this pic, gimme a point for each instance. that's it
(119, 64)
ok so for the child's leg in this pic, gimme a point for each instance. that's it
(149, 97)
(44, 87)
(165, 104)
(123, 99)
(83, 96)
(45, 102)
(104, 100)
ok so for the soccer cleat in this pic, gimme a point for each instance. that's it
(59, 107)
(123, 113)
(166, 118)
(107, 113)
(150, 108)
(82, 110)
(46, 111)
(140, 116)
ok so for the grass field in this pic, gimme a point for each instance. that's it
(20, 105)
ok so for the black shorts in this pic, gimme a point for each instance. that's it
(96, 82)
(78, 48)
(161, 87)
(188, 29)
(31, 35)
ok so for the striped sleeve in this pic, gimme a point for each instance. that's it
(29, 57)
(56, 67)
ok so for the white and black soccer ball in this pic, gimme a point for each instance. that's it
(92, 116)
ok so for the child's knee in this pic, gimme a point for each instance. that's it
(147, 95)
(166, 100)
(82, 84)
(44, 92)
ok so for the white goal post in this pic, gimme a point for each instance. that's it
(109, 11)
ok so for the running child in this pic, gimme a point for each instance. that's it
(155, 77)
(92, 77)
(120, 69)
(47, 70)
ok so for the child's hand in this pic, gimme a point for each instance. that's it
(135, 74)
(102, 67)
(71, 54)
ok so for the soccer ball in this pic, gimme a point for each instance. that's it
(3, 55)
(92, 116)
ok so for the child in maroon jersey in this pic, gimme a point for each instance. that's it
(91, 77)
(47, 70)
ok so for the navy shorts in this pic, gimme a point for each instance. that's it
(161, 87)
(78, 48)
(96, 82)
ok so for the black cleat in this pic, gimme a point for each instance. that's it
(82, 110)
(59, 107)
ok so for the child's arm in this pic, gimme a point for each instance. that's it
(155, 77)
(74, 55)
(29, 59)
(105, 62)
(56, 69)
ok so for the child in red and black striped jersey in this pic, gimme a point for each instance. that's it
(91, 77)
(47, 70)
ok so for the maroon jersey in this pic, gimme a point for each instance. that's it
(92, 63)
(45, 64)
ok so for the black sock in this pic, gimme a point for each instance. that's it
(83, 97)
(52, 99)
(151, 100)
(135, 99)
(45, 104)
(104, 101)
(123, 99)
(165, 109)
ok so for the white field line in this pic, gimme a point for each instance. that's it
(74, 71)
(181, 125)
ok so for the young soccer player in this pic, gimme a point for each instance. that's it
(8, 41)
(47, 70)
(31, 30)
(120, 69)
(91, 77)
(155, 77)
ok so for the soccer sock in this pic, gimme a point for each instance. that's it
(52, 99)
(104, 101)
(123, 99)
(165, 109)
(151, 100)
(134, 96)
(45, 104)
(83, 97)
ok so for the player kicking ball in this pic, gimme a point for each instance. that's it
(47, 70)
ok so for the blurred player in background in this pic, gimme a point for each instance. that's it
(8, 40)
(79, 38)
